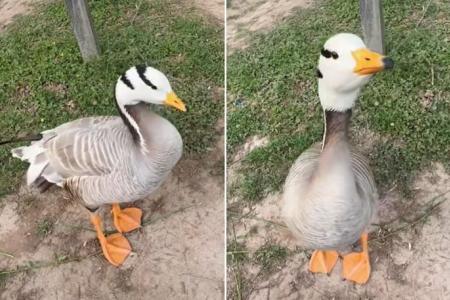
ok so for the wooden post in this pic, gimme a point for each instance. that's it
(372, 24)
(83, 29)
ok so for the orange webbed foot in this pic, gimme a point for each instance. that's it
(356, 265)
(127, 219)
(323, 261)
(115, 247)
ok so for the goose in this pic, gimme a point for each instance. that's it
(330, 196)
(111, 159)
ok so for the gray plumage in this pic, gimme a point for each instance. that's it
(330, 195)
(103, 160)
(97, 160)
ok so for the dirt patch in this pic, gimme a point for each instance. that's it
(244, 18)
(177, 254)
(213, 7)
(250, 144)
(10, 9)
(58, 89)
(411, 263)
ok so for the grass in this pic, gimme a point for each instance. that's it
(273, 93)
(44, 82)
(44, 227)
(236, 253)
(269, 256)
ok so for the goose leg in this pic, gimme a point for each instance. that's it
(126, 220)
(115, 247)
(323, 261)
(356, 265)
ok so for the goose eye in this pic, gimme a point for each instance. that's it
(334, 55)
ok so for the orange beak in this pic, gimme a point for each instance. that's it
(369, 62)
(173, 100)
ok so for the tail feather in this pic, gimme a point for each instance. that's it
(35, 170)
(27, 153)
(40, 173)
(35, 155)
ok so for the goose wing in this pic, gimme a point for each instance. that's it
(96, 190)
(87, 147)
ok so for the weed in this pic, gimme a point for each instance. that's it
(270, 256)
(44, 227)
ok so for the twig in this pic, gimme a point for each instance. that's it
(248, 216)
(144, 223)
(237, 252)
(236, 270)
(138, 7)
(394, 50)
(432, 75)
(40, 265)
(424, 13)
(6, 254)
(238, 284)
(402, 217)
(412, 223)
(79, 227)
(151, 221)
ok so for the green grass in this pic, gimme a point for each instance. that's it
(43, 81)
(44, 227)
(273, 93)
(236, 253)
(269, 256)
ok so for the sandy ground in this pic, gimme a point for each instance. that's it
(214, 7)
(249, 16)
(48, 250)
(11, 8)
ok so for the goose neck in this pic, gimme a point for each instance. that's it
(130, 117)
(336, 127)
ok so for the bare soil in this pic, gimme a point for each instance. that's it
(245, 18)
(49, 251)
(9, 9)
(216, 8)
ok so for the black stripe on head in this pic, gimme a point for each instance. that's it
(319, 74)
(125, 80)
(327, 53)
(141, 71)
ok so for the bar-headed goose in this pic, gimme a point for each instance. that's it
(330, 196)
(108, 160)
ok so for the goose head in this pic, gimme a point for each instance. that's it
(146, 84)
(345, 66)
